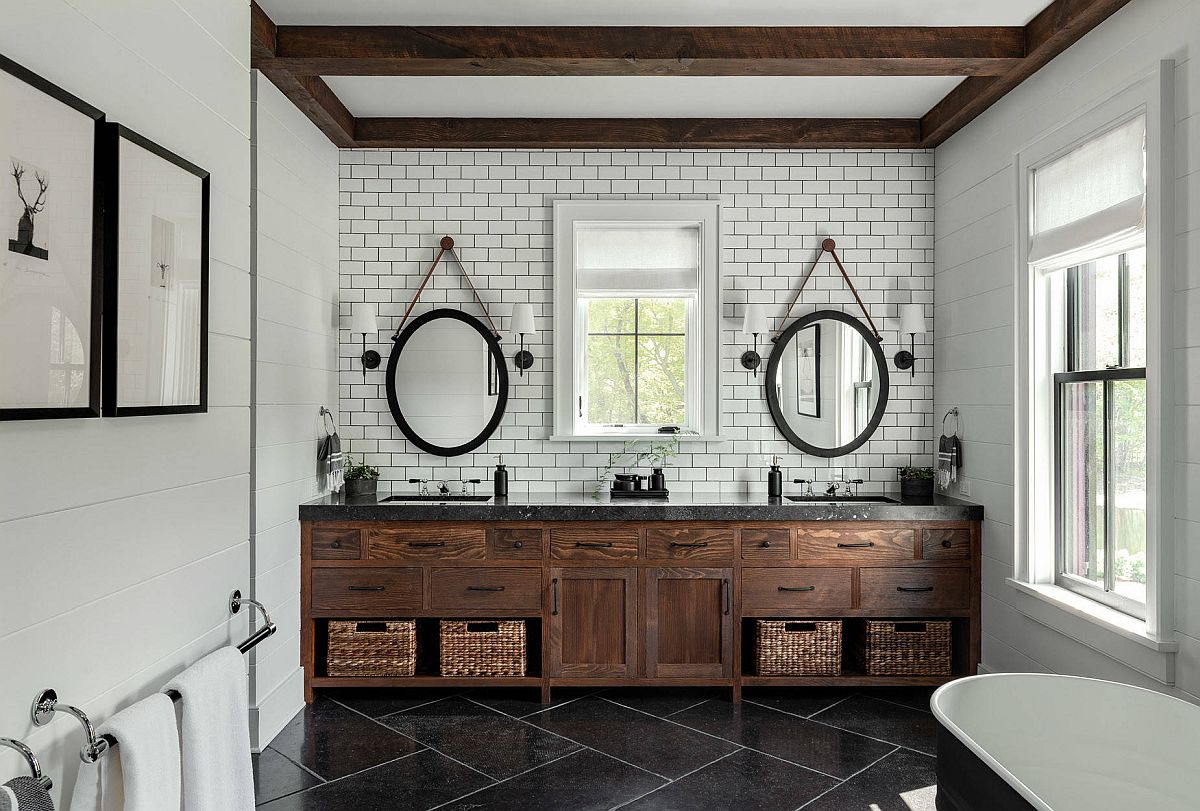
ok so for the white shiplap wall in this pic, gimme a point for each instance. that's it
(296, 292)
(974, 291)
(120, 539)
(777, 206)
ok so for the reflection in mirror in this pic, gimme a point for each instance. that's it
(446, 382)
(827, 383)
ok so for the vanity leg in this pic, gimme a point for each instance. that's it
(735, 693)
(545, 692)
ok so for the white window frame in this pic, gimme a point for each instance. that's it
(1036, 536)
(704, 381)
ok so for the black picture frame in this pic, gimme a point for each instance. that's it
(95, 352)
(110, 169)
(773, 404)
(816, 404)
(497, 382)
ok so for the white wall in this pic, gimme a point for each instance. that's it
(777, 205)
(296, 291)
(974, 293)
(121, 539)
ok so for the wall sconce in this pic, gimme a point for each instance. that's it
(522, 324)
(754, 323)
(363, 320)
(912, 321)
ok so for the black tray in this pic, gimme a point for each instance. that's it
(639, 493)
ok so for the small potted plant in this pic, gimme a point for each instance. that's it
(915, 482)
(361, 478)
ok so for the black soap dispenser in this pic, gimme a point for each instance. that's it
(775, 479)
(501, 489)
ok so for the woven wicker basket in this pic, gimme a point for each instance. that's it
(784, 648)
(907, 648)
(482, 648)
(359, 648)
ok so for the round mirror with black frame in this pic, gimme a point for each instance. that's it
(447, 384)
(827, 383)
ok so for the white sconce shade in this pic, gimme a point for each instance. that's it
(363, 320)
(522, 320)
(754, 321)
(912, 319)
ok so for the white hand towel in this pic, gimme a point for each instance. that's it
(144, 768)
(217, 771)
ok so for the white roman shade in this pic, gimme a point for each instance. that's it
(1090, 199)
(618, 258)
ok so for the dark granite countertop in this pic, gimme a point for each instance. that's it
(680, 507)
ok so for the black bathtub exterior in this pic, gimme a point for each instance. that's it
(966, 783)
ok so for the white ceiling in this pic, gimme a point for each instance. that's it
(652, 12)
(642, 96)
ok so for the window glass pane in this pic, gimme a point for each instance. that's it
(1129, 487)
(1082, 463)
(1136, 308)
(665, 315)
(662, 380)
(611, 392)
(610, 315)
(1097, 304)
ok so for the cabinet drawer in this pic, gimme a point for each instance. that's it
(689, 543)
(772, 543)
(855, 544)
(946, 544)
(917, 589)
(366, 591)
(472, 589)
(336, 543)
(423, 543)
(518, 543)
(795, 589)
(618, 543)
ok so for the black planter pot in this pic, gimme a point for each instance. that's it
(361, 487)
(916, 488)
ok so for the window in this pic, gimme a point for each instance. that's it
(636, 303)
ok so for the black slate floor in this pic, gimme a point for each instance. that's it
(656, 749)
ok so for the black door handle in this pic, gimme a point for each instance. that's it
(365, 588)
(426, 544)
(728, 597)
(914, 588)
(797, 588)
(485, 588)
(592, 545)
(697, 545)
(866, 545)
(554, 596)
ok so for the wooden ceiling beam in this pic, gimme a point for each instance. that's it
(1059, 26)
(649, 51)
(636, 133)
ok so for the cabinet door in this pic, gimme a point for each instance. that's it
(593, 616)
(689, 623)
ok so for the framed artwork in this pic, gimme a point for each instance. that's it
(51, 263)
(156, 278)
(808, 371)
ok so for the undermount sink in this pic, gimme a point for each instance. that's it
(439, 498)
(843, 499)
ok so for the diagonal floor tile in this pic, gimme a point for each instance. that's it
(522, 701)
(816, 746)
(803, 701)
(915, 697)
(584, 781)
(334, 741)
(649, 743)
(890, 722)
(414, 783)
(662, 701)
(385, 701)
(493, 743)
(275, 776)
(746, 780)
(902, 781)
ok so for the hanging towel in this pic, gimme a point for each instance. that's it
(29, 794)
(330, 456)
(8, 800)
(949, 460)
(217, 771)
(149, 762)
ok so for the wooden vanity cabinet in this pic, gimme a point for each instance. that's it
(638, 603)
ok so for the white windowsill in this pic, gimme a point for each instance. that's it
(1110, 619)
(683, 438)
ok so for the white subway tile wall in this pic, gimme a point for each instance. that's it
(777, 207)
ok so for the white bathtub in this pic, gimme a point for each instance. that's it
(1065, 743)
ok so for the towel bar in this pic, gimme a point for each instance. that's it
(46, 703)
(35, 765)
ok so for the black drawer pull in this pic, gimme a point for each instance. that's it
(485, 588)
(696, 545)
(914, 588)
(765, 544)
(866, 545)
(946, 544)
(518, 544)
(797, 588)
(366, 588)
(335, 545)
(593, 545)
(554, 595)
(426, 544)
